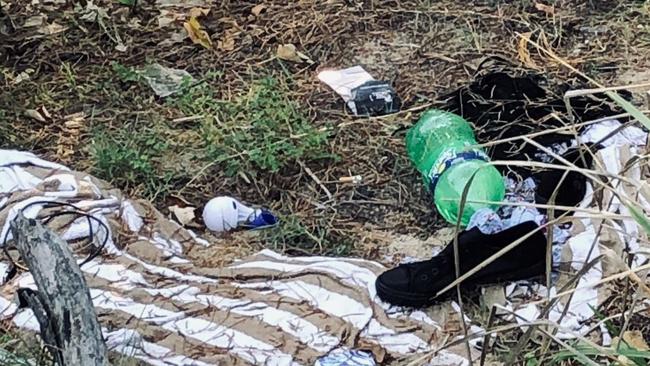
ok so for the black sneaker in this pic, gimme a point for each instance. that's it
(416, 284)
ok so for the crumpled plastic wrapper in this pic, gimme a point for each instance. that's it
(165, 81)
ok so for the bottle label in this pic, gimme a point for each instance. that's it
(450, 158)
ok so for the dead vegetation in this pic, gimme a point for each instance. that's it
(72, 93)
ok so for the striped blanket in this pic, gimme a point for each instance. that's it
(157, 305)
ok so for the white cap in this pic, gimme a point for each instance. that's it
(225, 213)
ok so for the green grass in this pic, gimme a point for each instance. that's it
(132, 157)
(125, 73)
(292, 235)
(16, 351)
(7, 138)
(636, 357)
(8, 358)
(263, 130)
(260, 131)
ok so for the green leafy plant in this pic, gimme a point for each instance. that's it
(584, 352)
(263, 130)
(16, 351)
(69, 74)
(130, 159)
(125, 73)
(531, 359)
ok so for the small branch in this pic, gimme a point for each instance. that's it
(315, 179)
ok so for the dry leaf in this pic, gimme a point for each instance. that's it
(176, 37)
(33, 113)
(68, 140)
(289, 52)
(634, 338)
(624, 361)
(23, 76)
(548, 9)
(167, 17)
(35, 21)
(197, 12)
(196, 34)
(522, 51)
(258, 9)
(227, 43)
(184, 215)
(53, 28)
(121, 47)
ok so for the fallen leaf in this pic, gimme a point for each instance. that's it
(176, 37)
(227, 43)
(624, 361)
(196, 34)
(53, 28)
(634, 338)
(34, 21)
(68, 140)
(197, 12)
(94, 14)
(23, 76)
(134, 23)
(522, 51)
(289, 52)
(33, 113)
(121, 47)
(167, 17)
(548, 9)
(184, 215)
(258, 9)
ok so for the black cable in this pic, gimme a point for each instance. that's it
(48, 218)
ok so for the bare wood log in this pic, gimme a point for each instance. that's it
(62, 304)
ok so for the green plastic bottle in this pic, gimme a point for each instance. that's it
(438, 146)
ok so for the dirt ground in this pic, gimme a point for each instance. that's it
(71, 92)
(264, 129)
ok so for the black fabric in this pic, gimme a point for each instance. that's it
(504, 101)
(416, 284)
(571, 188)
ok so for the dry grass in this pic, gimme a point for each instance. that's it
(425, 48)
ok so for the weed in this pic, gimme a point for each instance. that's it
(609, 324)
(16, 351)
(531, 360)
(10, 359)
(69, 74)
(262, 130)
(631, 355)
(7, 138)
(293, 236)
(130, 158)
(125, 73)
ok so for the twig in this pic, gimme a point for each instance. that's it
(611, 278)
(315, 179)
(188, 119)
